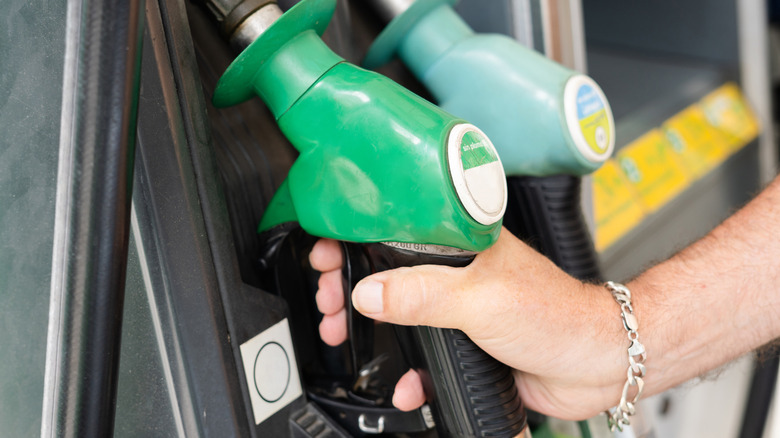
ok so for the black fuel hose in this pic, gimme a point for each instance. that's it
(546, 213)
(94, 184)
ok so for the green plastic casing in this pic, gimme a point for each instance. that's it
(373, 163)
(514, 94)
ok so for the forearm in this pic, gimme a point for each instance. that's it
(716, 300)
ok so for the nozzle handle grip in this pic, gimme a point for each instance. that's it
(470, 393)
(546, 213)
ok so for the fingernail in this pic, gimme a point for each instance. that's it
(367, 297)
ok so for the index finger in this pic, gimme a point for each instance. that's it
(326, 255)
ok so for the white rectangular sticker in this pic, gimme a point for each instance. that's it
(271, 371)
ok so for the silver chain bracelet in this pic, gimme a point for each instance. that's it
(619, 416)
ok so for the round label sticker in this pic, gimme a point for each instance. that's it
(477, 173)
(272, 372)
(589, 118)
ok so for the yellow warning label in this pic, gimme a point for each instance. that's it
(658, 166)
(653, 169)
(616, 209)
(728, 111)
(699, 146)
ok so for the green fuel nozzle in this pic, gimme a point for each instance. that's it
(543, 118)
(377, 163)
(384, 168)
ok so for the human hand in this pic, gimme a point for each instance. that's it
(559, 334)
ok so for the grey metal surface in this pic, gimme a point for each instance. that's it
(145, 396)
(645, 90)
(564, 37)
(254, 26)
(387, 10)
(754, 71)
(699, 29)
(522, 22)
(31, 65)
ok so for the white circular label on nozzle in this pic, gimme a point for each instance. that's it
(477, 173)
(589, 118)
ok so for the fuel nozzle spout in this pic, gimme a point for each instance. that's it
(387, 10)
(251, 15)
(254, 25)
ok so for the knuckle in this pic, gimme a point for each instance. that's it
(413, 297)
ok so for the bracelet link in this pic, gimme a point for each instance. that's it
(630, 322)
(636, 349)
(620, 415)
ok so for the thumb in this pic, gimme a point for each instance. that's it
(421, 295)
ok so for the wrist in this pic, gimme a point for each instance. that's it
(598, 341)
(604, 342)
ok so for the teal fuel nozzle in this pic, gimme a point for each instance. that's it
(377, 163)
(544, 119)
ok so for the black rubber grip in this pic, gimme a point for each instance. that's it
(471, 393)
(546, 213)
